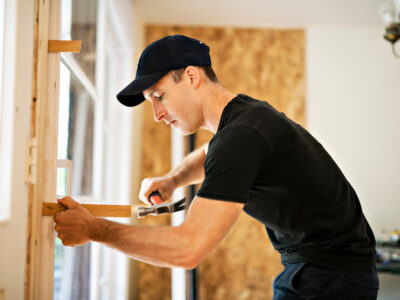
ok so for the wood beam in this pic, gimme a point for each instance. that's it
(98, 210)
(64, 46)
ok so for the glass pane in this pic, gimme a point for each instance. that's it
(75, 131)
(62, 174)
(75, 142)
(71, 272)
(79, 20)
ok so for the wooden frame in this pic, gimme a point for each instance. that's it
(44, 124)
(39, 260)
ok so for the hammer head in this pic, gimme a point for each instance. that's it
(163, 208)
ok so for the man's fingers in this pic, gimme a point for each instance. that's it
(57, 228)
(143, 189)
(68, 202)
(147, 187)
(155, 199)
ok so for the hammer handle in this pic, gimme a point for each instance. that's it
(155, 198)
(98, 210)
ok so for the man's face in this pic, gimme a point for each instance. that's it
(174, 104)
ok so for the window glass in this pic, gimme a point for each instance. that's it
(71, 272)
(75, 142)
(75, 131)
(72, 266)
(79, 22)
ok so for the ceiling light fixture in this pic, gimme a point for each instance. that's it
(390, 14)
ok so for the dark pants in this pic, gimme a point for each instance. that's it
(307, 281)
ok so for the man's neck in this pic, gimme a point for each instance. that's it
(216, 97)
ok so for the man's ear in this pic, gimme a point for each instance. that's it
(192, 76)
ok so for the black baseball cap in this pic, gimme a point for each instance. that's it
(169, 53)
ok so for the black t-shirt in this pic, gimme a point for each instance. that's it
(288, 182)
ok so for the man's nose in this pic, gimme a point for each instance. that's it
(159, 113)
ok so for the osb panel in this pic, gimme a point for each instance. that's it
(265, 64)
(154, 282)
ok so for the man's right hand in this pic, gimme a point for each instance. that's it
(164, 185)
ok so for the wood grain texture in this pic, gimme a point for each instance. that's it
(156, 161)
(64, 46)
(40, 233)
(30, 235)
(267, 64)
(98, 210)
(48, 90)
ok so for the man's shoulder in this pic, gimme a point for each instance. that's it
(256, 114)
(245, 109)
(235, 136)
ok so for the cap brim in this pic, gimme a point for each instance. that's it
(132, 94)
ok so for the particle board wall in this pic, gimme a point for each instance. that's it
(265, 64)
(154, 282)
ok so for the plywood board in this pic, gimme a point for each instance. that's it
(156, 161)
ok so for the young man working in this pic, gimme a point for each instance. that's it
(258, 161)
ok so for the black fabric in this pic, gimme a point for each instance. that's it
(303, 280)
(290, 183)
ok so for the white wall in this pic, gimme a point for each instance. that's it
(353, 105)
(17, 97)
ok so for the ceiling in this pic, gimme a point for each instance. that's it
(260, 13)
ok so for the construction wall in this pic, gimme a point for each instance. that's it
(262, 63)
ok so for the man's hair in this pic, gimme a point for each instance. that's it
(208, 70)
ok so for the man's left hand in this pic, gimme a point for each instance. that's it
(74, 224)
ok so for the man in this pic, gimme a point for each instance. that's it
(258, 161)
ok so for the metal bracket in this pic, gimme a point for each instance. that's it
(30, 160)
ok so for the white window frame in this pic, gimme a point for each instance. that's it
(2, 29)
(6, 109)
(115, 282)
(114, 41)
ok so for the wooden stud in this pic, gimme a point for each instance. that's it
(33, 273)
(64, 46)
(47, 132)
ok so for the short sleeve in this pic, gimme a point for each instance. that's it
(234, 158)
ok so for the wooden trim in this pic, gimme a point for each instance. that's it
(64, 46)
(98, 210)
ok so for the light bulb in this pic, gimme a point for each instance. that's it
(396, 4)
(390, 12)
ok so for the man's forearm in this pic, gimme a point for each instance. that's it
(191, 169)
(161, 246)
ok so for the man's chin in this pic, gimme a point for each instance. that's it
(186, 131)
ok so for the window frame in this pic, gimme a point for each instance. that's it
(6, 109)
(2, 38)
(40, 256)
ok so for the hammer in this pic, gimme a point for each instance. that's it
(124, 211)
(162, 208)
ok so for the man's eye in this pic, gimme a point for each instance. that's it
(161, 97)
